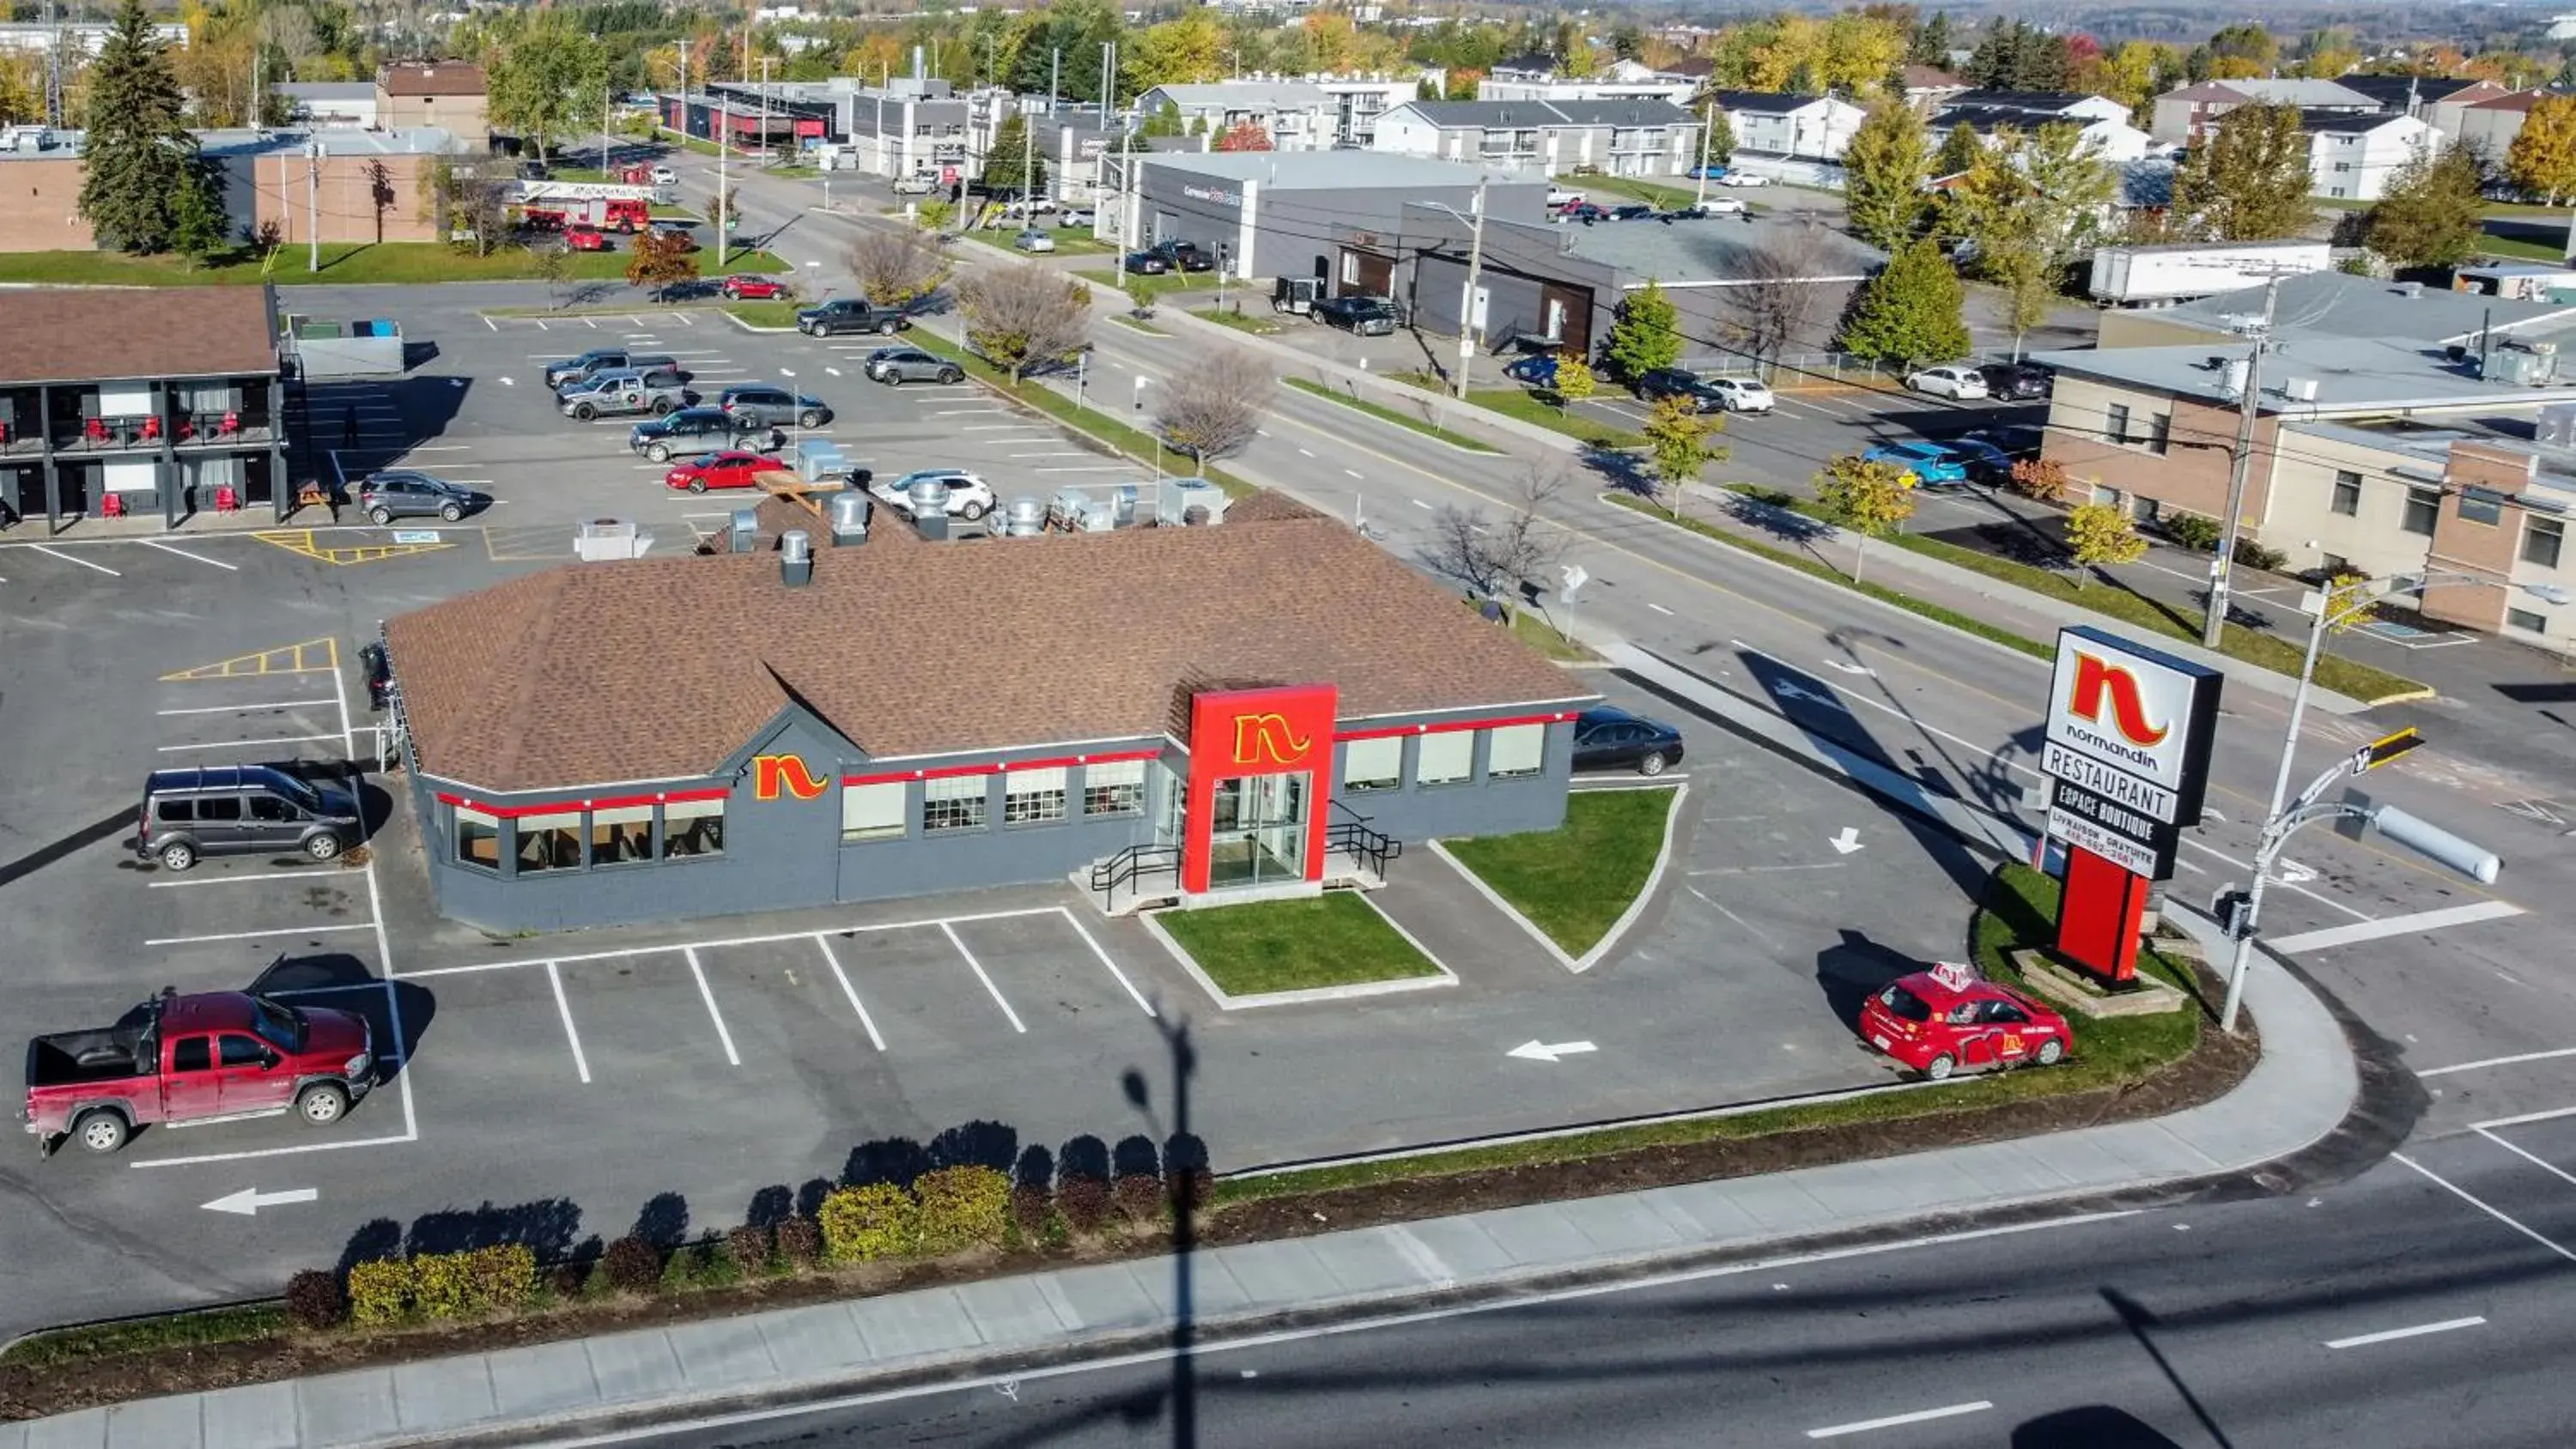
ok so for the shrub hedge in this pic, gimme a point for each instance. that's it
(633, 1265)
(439, 1286)
(961, 1207)
(749, 1246)
(380, 1292)
(1084, 1201)
(864, 1224)
(314, 1300)
(800, 1242)
(1139, 1195)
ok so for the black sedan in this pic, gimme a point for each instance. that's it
(1612, 739)
(1146, 264)
(1666, 382)
(2017, 381)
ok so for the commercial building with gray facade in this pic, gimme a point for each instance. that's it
(1292, 214)
(1265, 705)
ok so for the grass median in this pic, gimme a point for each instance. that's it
(1576, 881)
(1335, 939)
(1136, 444)
(1514, 402)
(1157, 287)
(1387, 414)
(1236, 318)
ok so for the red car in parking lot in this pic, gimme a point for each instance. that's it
(583, 237)
(755, 289)
(732, 468)
(1949, 1018)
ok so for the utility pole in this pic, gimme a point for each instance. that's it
(1028, 167)
(313, 203)
(1707, 123)
(724, 206)
(2221, 567)
(1467, 295)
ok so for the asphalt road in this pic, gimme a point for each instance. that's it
(2388, 1311)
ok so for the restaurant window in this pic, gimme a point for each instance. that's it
(2541, 539)
(955, 803)
(549, 842)
(1445, 758)
(1114, 788)
(1033, 797)
(2423, 505)
(692, 828)
(873, 812)
(2159, 432)
(1515, 750)
(1376, 764)
(2115, 424)
(621, 836)
(2347, 494)
(478, 838)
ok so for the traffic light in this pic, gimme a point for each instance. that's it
(2384, 749)
(2234, 909)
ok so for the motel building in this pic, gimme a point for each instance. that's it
(802, 715)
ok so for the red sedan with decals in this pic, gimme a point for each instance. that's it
(1950, 1019)
(753, 289)
(730, 469)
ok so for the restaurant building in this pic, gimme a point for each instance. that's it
(810, 716)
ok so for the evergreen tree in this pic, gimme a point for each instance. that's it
(137, 152)
(1909, 313)
(2248, 181)
(1720, 145)
(1959, 150)
(1011, 168)
(199, 230)
(1647, 334)
(1884, 169)
(2429, 214)
(1931, 42)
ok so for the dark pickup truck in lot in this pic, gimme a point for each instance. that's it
(200, 1058)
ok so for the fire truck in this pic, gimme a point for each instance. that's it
(607, 205)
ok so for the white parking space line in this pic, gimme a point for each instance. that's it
(246, 708)
(951, 933)
(572, 1036)
(834, 961)
(2473, 1200)
(260, 935)
(1893, 1421)
(246, 744)
(2511, 1061)
(707, 994)
(2387, 926)
(620, 953)
(1132, 993)
(1090, 468)
(211, 880)
(2554, 1170)
(70, 558)
(2525, 1118)
(2391, 1335)
(192, 557)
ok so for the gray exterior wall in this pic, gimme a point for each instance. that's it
(1298, 231)
(1475, 806)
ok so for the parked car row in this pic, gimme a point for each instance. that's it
(1710, 394)
(2008, 381)
(1165, 257)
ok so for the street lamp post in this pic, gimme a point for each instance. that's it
(1183, 1180)
(2284, 817)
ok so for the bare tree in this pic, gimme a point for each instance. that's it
(468, 202)
(1773, 303)
(1019, 317)
(897, 268)
(1213, 409)
(1493, 557)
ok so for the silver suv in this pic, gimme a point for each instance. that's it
(609, 394)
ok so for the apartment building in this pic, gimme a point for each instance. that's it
(1617, 138)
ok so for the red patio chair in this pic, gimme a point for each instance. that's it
(230, 425)
(226, 501)
(151, 427)
(113, 505)
(95, 430)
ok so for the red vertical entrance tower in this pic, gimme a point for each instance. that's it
(1261, 770)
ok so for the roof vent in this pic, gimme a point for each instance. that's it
(1026, 518)
(744, 535)
(2410, 290)
(795, 558)
(928, 500)
(849, 518)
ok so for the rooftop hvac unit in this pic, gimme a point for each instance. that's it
(849, 518)
(1026, 518)
(1189, 502)
(795, 558)
(2410, 290)
(744, 534)
(2300, 389)
(610, 538)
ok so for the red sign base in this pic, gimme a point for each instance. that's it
(2098, 916)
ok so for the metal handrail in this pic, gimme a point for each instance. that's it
(1136, 860)
(1373, 848)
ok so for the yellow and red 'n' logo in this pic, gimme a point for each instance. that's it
(771, 773)
(2095, 679)
(1268, 739)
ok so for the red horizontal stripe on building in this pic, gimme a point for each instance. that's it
(945, 772)
(614, 802)
(1454, 725)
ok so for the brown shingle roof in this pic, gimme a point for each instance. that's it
(660, 668)
(67, 334)
(433, 78)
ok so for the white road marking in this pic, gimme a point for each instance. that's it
(207, 880)
(248, 1201)
(2515, 1060)
(849, 991)
(68, 558)
(2386, 926)
(259, 935)
(1305, 452)
(1847, 842)
(2562, 1174)
(246, 744)
(488, 322)
(192, 557)
(2525, 1118)
(1892, 1421)
(951, 932)
(2464, 1195)
(834, 371)
(707, 994)
(1658, 608)
(2391, 1335)
(1132, 993)
(246, 708)
(1354, 472)
(572, 1036)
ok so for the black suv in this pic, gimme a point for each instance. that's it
(849, 314)
(241, 809)
(665, 438)
(1183, 256)
(2017, 381)
(1365, 316)
(756, 405)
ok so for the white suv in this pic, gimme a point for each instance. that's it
(1964, 384)
(1740, 394)
(969, 497)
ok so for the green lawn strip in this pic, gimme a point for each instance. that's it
(1665, 198)
(1137, 445)
(1574, 882)
(1157, 287)
(1335, 939)
(1258, 326)
(144, 1335)
(578, 173)
(1388, 414)
(2020, 909)
(1515, 403)
(2253, 646)
(1066, 244)
(343, 264)
(1137, 324)
(765, 314)
(736, 260)
(1547, 639)
(794, 172)
(1815, 568)
(2518, 250)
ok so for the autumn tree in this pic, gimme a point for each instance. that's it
(2428, 214)
(137, 151)
(896, 267)
(1213, 408)
(1959, 150)
(1647, 333)
(1242, 136)
(1573, 381)
(1678, 446)
(1870, 499)
(548, 81)
(660, 260)
(2542, 160)
(1909, 314)
(2042, 480)
(1020, 317)
(2100, 535)
(1884, 169)
(2248, 180)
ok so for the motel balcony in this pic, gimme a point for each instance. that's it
(145, 418)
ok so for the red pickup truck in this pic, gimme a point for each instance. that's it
(203, 1058)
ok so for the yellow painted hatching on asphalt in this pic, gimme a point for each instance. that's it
(301, 541)
(313, 656)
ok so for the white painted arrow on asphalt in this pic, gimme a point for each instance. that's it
(248, 1201)
(1847, 842)
(1849, 668)
(1538, 1051)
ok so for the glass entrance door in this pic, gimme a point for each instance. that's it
(1259, 830)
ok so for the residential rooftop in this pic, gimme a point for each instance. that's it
(2339, 304)
(2349, 375)
(1247, 95)
(1295, 170)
